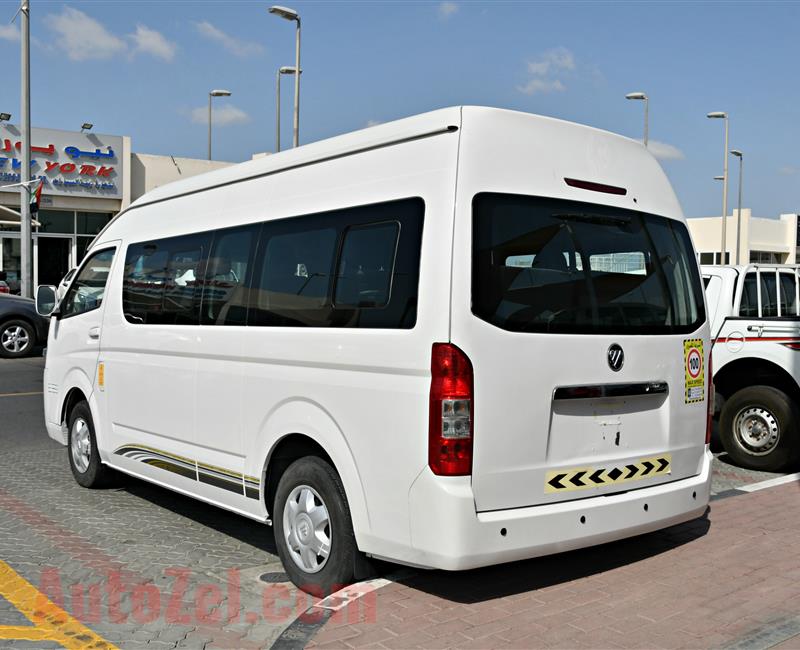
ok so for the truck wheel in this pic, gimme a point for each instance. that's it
(84, 459)
(758, 427)
(313, 530)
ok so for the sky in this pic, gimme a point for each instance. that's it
(144, 69)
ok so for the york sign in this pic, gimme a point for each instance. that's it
(71, 164)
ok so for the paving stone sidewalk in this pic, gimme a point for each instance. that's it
(730, 580)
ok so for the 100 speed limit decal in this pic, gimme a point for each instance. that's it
(694, 371)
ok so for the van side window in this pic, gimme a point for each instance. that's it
(293, 287)
(162, 280)
(87, 291)
(356, 267)
(366, 265)
(225, 291)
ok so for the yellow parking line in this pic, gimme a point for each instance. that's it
(21, 394)
(24, 633)
(50, 622)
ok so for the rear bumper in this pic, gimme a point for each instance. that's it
(446, 532)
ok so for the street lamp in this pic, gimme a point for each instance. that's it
(291, 14)
(5, 117)
(720, 115)
(86, 126)
(646, 101)
(214, 93)
(740, 156)
(286, 69)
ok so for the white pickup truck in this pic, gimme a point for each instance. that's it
(754, 312)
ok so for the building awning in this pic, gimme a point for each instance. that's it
(11, 217)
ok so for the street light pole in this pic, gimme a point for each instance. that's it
(646, 100)
(291, 14)
(214, 93)
(724, 246)
(286, 69)
(26, 248)
(740, 156)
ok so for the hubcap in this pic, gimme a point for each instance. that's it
(15, 339)
(757, 430)
(307, 529)
(81, 446)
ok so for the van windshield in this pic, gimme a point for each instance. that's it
(550, 265)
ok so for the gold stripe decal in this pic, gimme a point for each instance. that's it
(188, 467)
(584, 478)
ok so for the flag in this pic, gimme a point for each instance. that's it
(36, 195)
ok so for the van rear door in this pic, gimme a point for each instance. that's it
(589, 342)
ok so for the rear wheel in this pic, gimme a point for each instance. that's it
(759, 429)
(313, 530)
(84, 459)
(17, 338)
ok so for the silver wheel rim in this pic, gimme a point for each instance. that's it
(756, 430)
(81, 446)
(307, 529)
(15, 339)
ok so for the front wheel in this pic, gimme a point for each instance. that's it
(759, 429)
(313, 530)
(84, 458)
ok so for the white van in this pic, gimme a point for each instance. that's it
(464, 338)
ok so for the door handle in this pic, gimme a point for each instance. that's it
(94, 333)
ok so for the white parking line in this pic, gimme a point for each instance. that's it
(21, 394)
(763, 485)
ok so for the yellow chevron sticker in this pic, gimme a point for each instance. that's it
(584, 478)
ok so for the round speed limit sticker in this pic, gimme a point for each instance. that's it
(694, 370)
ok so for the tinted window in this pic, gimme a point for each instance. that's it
(769, 296)
(163, 280)
(225, 289)
(788, 295)
(364, 273)
(641, 275)
(293, 286)
(357, 267)
(87, 291)
(749, 303)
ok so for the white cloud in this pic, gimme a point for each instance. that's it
(552, 61)
(152, 42)
(545, 70)
(82, 37)
(373, 123)
(234, 45)
(542, 86)
(788, 170)
(447, 9)
(9, 33)
(664, 151)
(224, 115)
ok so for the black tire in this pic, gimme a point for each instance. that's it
(95, 474)
(773, 411)
(338, 570)
(19, 336)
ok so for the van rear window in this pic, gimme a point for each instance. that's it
(550, 265)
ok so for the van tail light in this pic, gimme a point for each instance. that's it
(452, 412)
(710, 393)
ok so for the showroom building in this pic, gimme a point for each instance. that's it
(761, 240)
(88, 178)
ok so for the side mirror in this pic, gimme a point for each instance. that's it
(45, 300)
